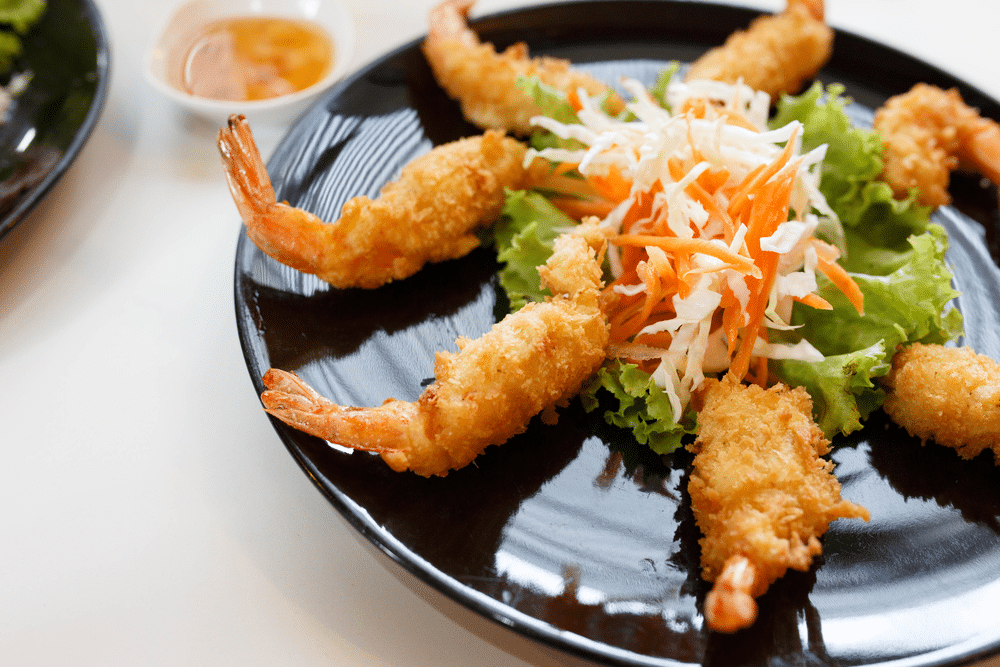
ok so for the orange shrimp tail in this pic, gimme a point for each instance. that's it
(245, 170)
(294, 402)
(815, 7)
(982, 149)
(450, 19)
(291, 236)
(730, 605)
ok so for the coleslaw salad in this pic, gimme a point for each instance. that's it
(738, 243)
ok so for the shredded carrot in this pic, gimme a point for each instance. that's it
(760, 292)
(659, 339)
(675, 168)
(613, 186)
(770, 209)
(704, 197)
(732, 318)
(690, 246)
(581, 208)
(661, 267)
(574, 100)
(814, 301)
(760, 372)
(564, 168)
(567, 185)
(758, 176)
(683, 261)
(713, 178)
(844, 282)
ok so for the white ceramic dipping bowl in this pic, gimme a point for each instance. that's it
(164, 59)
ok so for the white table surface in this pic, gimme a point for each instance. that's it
(150, 515)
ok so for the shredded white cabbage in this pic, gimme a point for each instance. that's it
(645, 151)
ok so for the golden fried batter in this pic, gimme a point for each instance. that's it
(948, 395)
(429, 214)
(761, 493)
(776, 54)
(485, 82)
(926, 133)
(532, 360)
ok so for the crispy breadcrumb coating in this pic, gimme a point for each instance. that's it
(948, 395)
(929, 132)
(430, 213)
(485, 82)
(484, 394)
(761, 493)
(776, 54)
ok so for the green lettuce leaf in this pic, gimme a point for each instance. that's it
(906, 304)
(637, 404)
(659, 89)
(16, 19)
(894, 254)
(553, 103)
(865, 206)
(523, 237)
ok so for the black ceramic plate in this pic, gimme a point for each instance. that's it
(67, 55)
(572, 534)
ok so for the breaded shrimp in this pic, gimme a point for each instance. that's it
(776, 54)
(927, 133)
(484, 82)
(948, 395)
(430, 214)
(761, 493)
(531, 361)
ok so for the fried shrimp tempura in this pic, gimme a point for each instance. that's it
(484, 82)
(776, 54)
(926, 134)
(533, 360)
(948, 395)
(761, 493)
(430, 214)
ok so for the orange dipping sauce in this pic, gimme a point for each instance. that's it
(256, 58)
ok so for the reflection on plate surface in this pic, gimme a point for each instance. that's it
(573, 534)
(67, 56)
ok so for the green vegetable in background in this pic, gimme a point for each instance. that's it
(16, 18)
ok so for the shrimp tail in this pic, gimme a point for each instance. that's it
(430, 213)
(484, 394)
(294, 402)
(449, 20)
(982, 150)
(928, 132)
(244, 168)
(814, 7)
(730, 605)
(290, 235)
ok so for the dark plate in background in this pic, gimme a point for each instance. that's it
(49, 122)
(573, 534)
